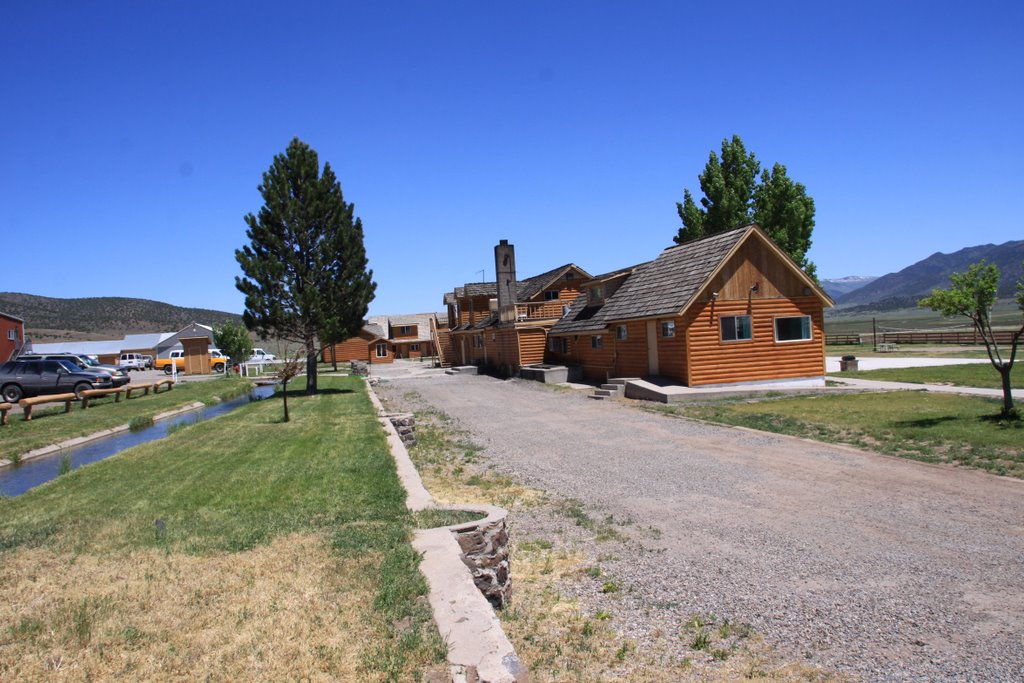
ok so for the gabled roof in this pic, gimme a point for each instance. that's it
(532, 286)
(668, 284)
(11, 317)
(376, 330)
(481, 289)
(145, 341)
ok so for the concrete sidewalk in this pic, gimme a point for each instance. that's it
(878, 385)
(875, 363)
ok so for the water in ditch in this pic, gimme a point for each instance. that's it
(20, 478)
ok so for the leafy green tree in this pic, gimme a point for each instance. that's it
(728, 185)
(233, 340)
(972, 295)
(736, 195)
(305, 269)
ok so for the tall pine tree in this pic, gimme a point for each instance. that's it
(734, 196)
(305, 269)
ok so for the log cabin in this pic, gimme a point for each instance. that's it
(370, 345)
(726, 309)
(503, 325)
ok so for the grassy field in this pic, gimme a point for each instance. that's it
(242, 548)
(52, 425)
(924, 426)
(981, 375)
(909, 351)
(1004, 313)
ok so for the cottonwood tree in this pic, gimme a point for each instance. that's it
(972, 295)
(291, 369)
(233, 340)
(306, 274)
(735, 195)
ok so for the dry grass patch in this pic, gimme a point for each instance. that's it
(289, 610)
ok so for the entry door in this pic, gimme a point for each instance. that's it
(652, 347)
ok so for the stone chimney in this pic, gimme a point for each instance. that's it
(505, 274)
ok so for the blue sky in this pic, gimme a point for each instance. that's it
(134, 134)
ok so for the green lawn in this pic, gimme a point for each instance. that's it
(981, 375)
(243, 500)
(52, 425)
(924, 426)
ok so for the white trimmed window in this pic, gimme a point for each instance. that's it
(736, 328)
(796, 328)
(414, 347)
(668, 328)
(595, 294)
(551, 295)
(382, 350)
(597, 342)
(621, 332)
(12, 335)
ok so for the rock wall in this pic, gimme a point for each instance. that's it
(405, 425)
(485, 552)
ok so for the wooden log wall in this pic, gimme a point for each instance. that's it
(531, 346)
(712, 361)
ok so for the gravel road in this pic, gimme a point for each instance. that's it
(885, 569)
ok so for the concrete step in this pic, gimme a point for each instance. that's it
(620, 381)
(605, 392)
(612, 387)
(596, 397)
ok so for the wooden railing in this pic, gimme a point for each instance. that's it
(541, 310)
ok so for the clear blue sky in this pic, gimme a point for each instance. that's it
(134, 134)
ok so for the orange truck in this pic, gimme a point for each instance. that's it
(218, 361)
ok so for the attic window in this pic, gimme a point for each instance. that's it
(595, 294)
(570, 276)
(551, 295)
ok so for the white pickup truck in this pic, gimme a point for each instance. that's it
(261, 356)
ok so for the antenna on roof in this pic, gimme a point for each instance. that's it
(483, 274)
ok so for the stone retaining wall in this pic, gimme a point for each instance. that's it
(405, 425)
(485, 551)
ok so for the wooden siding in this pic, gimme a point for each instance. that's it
(712, 361)
(595, 363)
(672, 351)
(531, 346)
(630, 357)
(403, 349)
(361, 347)
(754, 262)
(9, 346)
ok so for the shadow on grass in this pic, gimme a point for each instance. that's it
(926, 421)
(1012, 421)
(292, 393)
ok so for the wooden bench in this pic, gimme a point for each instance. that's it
(169, 383)
(28, 404)
(95, 393)
(129, 388)
(4, 407)
(888, 347)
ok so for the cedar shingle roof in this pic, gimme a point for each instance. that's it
(660, 287)
(376, 330)
(531, 287)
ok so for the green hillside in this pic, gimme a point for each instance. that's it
(51, 319)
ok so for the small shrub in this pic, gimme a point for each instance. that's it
(611, 587)
(140, 422)
(720, 654)
(65, 465)
(620, 654)
(701, 640)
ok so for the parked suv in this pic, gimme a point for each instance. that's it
(24, 378)
(261, 356)
(118, 375)
(134, 361)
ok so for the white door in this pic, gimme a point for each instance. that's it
(652, 347)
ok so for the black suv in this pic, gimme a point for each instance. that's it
(23, 378)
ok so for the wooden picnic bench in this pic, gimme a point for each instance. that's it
(95, 393)
(4, 407)
(888, 347)
(28, 404)
(169, 383)
(129, 388)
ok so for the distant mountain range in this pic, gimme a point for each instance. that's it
(844, 285)
(905, 288)
(50, 319)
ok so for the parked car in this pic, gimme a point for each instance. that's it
(261, 356)
(147, 361)
(134, 361)
(25, 378)
(118, 375)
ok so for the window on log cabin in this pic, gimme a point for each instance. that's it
(414, 347)
(382, 350)
(622, 333)
(558, 345)
(551, 295)
(736, 328)
(668, 328)
(596, 342)
(797, 328)
(595, 295)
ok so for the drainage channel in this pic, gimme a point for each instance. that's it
(18, 479)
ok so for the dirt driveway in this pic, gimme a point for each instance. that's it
(883, 568)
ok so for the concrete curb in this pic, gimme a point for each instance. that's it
(78, 441)
(478, 649)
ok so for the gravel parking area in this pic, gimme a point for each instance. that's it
(885, 569)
